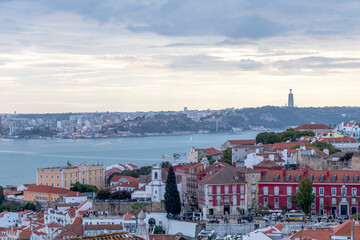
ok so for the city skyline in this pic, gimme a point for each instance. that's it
(164, 55)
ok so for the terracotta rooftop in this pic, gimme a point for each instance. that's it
(75, 194)
(104, 226)
(242, 142)
(318, 234)
(312, 127)
(225, 175)
(209, 151)
(47, 189)
(128, 178)
(285, 145)
(111, 236)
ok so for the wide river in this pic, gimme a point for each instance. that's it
(20, 158)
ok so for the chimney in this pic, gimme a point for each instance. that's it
(271, 157)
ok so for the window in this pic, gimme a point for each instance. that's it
(242, 189)
(333, 191)
(346, 178)
(314, 190)
(276, 177)
(95, 179)
(276, 202)
(252, 176)
(253, 188)
(313, 205)
(321, 203)
(40, 176)
(343, 192)
(287, 177)
(356, 178)
(276, 190)
(218, 190)
(234, 189)
(65, 183)
(333, 201)
(155, 175)
(297, 178)
(321, 191)
(226, 189)
(310, 177)
(289, 191)
(265, 201)
(354, 192)
(266, 190)
(288, 203)
(333, 178)
(321, 178)
(57, 176)
(353, 201)
(210, 190)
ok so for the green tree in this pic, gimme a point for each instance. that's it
(172, 196)
(324, 145)
(166, 164)
(158, 230)
(103, 194)
(305, 196)
(227, 156)
(2, 196)
(78, 187)
(121, 195)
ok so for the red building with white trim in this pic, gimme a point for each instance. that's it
(222, 191)
(337, 192)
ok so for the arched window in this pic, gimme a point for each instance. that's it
(156, 175)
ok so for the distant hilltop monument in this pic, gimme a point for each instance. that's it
(291, 99)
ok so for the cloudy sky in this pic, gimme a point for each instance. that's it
(129, 55)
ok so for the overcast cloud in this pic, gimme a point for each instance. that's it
(129, 55)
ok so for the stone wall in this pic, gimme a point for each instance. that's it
(114, 208)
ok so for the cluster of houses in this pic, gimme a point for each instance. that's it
(259, 176)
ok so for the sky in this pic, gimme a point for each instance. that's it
(142, 55)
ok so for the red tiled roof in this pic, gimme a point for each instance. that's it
(127, 184)
(104, 226)
(75, 194)
(228, 175)
(269, 176)
(318, 234)
(47, 189)
(356, 232)
(242, 142)
(128, 217)
(285, 145)
(53, 225)
(210, 151)
(312, 127)
(118, 177)
(26, 234)
(343, 229)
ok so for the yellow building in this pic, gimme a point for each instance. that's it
(65, 176)
(43, 193)
(333, 135)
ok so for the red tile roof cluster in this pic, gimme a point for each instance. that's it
(104, 227)
(312, 127)
(124, 235)
(343, 229)
(318, 234)
(243, 142)
(225, 175)
(47, 189)
(317, 176)
(210, 151)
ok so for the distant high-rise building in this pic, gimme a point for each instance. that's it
(291, 99)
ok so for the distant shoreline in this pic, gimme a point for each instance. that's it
(133, 136)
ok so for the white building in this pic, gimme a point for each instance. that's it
(75, 197)
(352, 129)
(152, 186)
(8, 219)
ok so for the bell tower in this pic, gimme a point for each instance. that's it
(156, 182)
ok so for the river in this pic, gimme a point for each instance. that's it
(20, 158)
